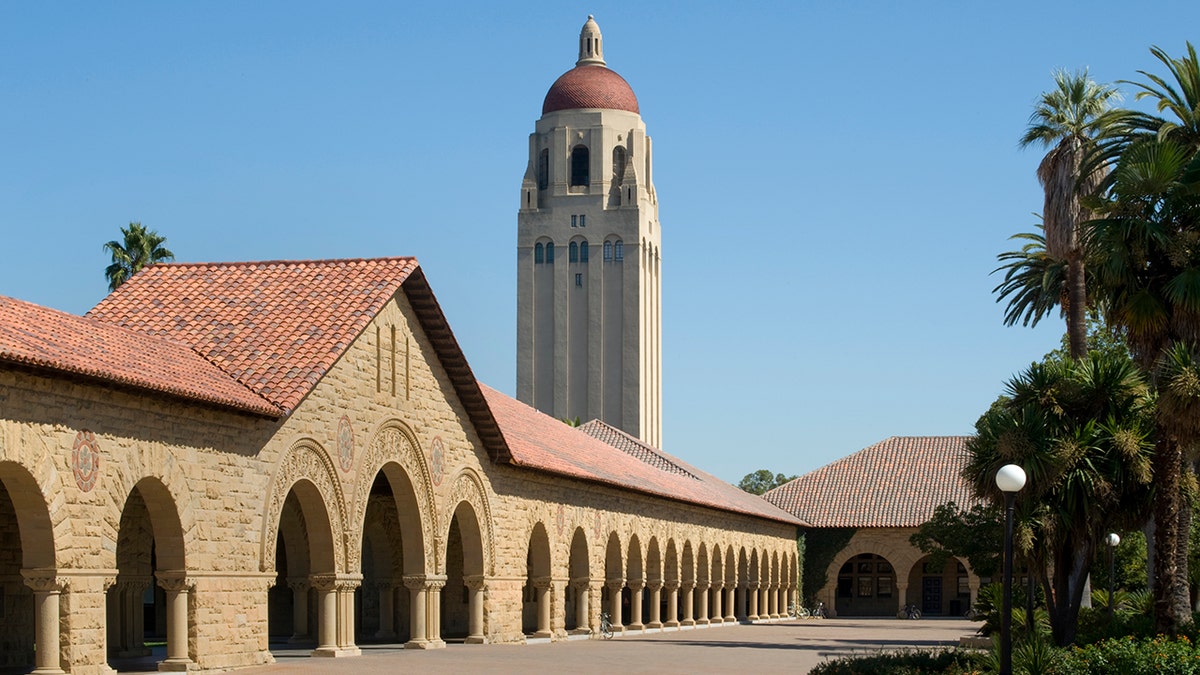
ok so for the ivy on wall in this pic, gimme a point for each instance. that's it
(818, 548)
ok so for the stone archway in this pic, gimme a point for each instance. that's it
(463, 600)
(536, 605)
(578, 604)
(671, 582)
(614, 581)
(731, 585)
(654, 583)
(28, 574)
(687, 572)
(632, 610)
(151, 566)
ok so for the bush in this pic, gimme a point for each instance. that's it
(1132, 656)
(948, 662)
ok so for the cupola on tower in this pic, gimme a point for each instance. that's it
(588, 275)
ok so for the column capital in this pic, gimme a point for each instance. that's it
(753, 585)
(475, 582)
(542, 582)
(687, 585)
(717, 585)
(615, 584)
(298, 583)
(636, 585)
(654, 584)
(672, 585)
(44, 581)
(702, 585)
(323, 582)
(435, 582)
(174, 580)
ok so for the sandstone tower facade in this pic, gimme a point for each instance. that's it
(589, 341)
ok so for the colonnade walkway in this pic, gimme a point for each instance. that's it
(789, 646)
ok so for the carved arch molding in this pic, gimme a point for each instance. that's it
(305, 461)
(467, 487)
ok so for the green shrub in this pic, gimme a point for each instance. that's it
(1133, 656)
(947, 662)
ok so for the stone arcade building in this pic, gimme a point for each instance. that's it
(232, 454)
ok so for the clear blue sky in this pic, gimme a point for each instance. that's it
(835, 178)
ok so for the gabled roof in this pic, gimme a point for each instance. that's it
(895, 483)
(278, 326)
(44, 339)
(540, 442)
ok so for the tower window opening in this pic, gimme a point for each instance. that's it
(543, 170)
(607, 251)
(579, 165)
(539, 254)
(583, 252)
(582, 220)
(574, 221)
(573, 253)
(549, 254)
(618, 163)
(579, 279)
(618, 251)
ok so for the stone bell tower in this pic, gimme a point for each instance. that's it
(589, 342)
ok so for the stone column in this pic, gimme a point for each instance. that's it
(901, 597)
(433, 609)
(595, 592)
(689, 593)
(773, 601)
(543, 586)
(176, 585)
(752, 596)
(672, 604)
(730, 603)
(582, 604)
(635, 605)
(780, 603)
(475, 583)
(346, 584)
(47, 589)
(764, 610)
(702, 611)
(299, 588)
(655, 603)
(614, 603)
(416, 612)
(718, 590)
(327, 614)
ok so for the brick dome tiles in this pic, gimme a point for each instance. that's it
(590, 86)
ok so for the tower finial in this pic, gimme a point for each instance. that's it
(591, 46)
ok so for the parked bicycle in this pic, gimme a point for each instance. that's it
(606, 627)
(912, 612)
(818, 612)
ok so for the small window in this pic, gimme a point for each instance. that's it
(539, 254)
(574, 221)
(618, 163)
(866, 587)
(573, 253)
(579, 280)
(579, 165)
(543, 170)
(583, 252)
(618, 252)
(549, 254)
(583, 221)
(608, 251)
(883, 587)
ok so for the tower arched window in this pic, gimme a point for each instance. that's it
(573, 253)
(543, 169)
(549, 254)
(539, 254)
(583, 252)
(619, 251)
(618, 163)
(580, 164)
(608, 251)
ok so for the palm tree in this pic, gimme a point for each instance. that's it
(1068, 119)
(1034, 283)
(1080, 429)
(141, 247)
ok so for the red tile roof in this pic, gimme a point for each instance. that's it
(538, 441)
(895, 483)
(591, 86)
(276, 327)
(45, 339)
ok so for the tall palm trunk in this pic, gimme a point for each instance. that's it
(1076, 305)
(1170, 578)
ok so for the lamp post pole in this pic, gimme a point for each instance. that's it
(1010, 479)
(1113, 540)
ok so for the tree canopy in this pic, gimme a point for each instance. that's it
(759, 482)
(137, 248)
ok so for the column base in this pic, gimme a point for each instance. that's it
(701, 622)
(336, 652)
(654, 624)
(417, 644)
(580, 631)
(542, 634)
(731, 619)
(687, 622)
(636, 626)
(475, 640)
(48, 671)
(177, 666)
(671, 624)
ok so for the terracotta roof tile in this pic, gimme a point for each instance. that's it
(46, 339)
(633, 446)
(276, 327)
(538, 441)
(895, 483)
(590, 86)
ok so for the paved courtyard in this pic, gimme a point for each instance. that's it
(792, 647)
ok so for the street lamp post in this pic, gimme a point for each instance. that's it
(1112, 542)
(1010, 479)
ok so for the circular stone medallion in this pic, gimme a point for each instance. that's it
(437, 460)
(85, 460)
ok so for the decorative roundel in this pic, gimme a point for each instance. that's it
(345, 443)
(437, 460)
(85, 460)
(561, 519)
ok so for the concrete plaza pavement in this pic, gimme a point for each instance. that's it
(792, 647)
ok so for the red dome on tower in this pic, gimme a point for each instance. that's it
(590, 86)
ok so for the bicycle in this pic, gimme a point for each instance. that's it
(818, 612)
(606, 627)
(912, 612)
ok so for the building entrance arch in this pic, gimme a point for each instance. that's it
(866, 586)
(27, 573)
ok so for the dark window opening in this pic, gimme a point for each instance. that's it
(579, 280)
(574, 221)
(539, 254)
(583, 221)
(583, 252)
(543, 170)
(618, 163)
(608, 251)
(579, 165)
(549, 254)
(573, 253)
(618, 251)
